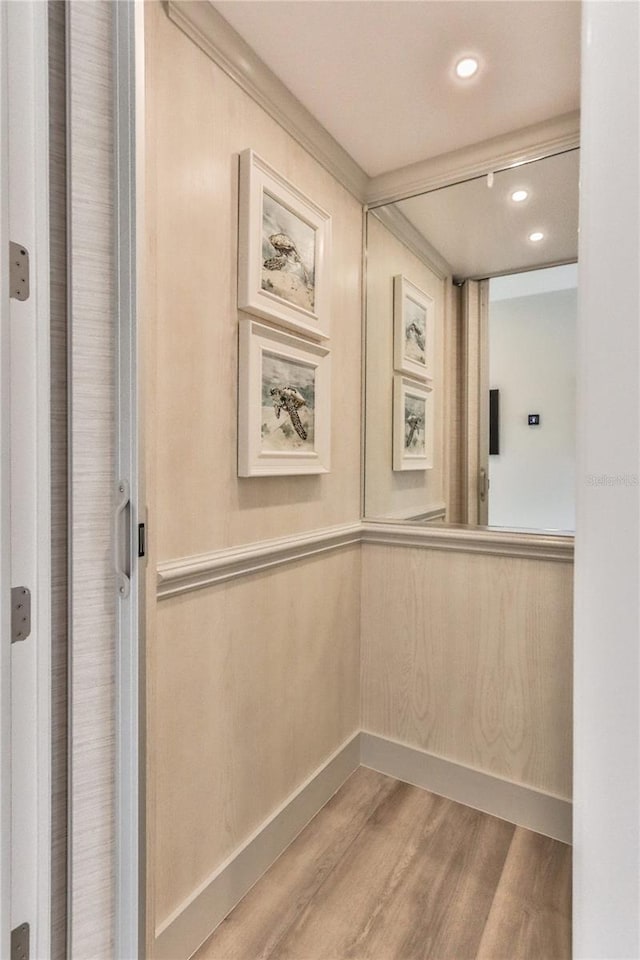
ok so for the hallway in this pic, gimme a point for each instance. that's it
(387, 871)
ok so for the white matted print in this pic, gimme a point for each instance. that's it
(412, 425)
(413, 328)
(283, 251)
(283, 403)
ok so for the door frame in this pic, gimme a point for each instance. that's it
(130, 678)
(24, 64)
(475, 335)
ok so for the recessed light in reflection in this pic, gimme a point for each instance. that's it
(466, 67)
(519, 195)
(536, 236)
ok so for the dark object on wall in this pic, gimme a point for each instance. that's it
(494, 421)
(534, 419)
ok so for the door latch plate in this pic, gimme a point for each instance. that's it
(20, 616)
(18, 271)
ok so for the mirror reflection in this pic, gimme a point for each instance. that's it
(470, 351)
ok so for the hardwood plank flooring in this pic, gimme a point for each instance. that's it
(387, 871)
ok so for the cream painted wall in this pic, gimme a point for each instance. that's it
(198, 122)
(469, 657)
(256, 683)
(251, 685)
(390, 493)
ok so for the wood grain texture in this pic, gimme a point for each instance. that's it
(59, 453)
(389, 493)
(198, 121)
(470, 658)
(92, 444)
(250, 685)
(256, 684)
(192, 922)
(530, 916)
(387, 870)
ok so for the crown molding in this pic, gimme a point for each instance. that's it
(404, 231)
(208, 29)
(202, 23)
(520, 146)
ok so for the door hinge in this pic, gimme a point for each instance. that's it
(20, 942)
(18, 271)
(20, 614)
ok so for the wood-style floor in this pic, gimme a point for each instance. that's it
(387, 871)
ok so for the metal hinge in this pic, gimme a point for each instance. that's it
(20, 614)
(18, 271)
(20, 942)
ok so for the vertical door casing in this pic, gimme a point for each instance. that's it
(475, 294)
(26, 530)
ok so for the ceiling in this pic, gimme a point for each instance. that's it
(378, 74)
(480, 231)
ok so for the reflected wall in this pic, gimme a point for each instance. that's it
(446, 244)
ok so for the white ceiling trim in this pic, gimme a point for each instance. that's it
(210, 31)
(520, 146)
(202, 23)
(402, 228)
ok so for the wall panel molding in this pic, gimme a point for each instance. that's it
(205, 570)
(515, 802)
(501, 543)
(185, 574)
(202, 23)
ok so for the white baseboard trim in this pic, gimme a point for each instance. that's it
(524, 806)
(187, 928)
(192, 923)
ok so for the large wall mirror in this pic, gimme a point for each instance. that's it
(471, 305)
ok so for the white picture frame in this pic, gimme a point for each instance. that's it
(412, 424)
(413, 329)
(284, 403)
(284, 248)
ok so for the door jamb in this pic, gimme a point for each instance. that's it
(130, 796)
(34, 146)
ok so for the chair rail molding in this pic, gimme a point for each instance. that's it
(185, 574)
(207, 569)
(501, 543)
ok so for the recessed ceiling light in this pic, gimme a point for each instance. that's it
(536, 237)
(466, 67)
(519, 195)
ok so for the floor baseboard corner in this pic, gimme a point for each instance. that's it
(188, 927)
(525, 806)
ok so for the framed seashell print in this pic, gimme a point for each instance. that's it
(413, 328)
(412, 424)
(284, 241)
(283, 403)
